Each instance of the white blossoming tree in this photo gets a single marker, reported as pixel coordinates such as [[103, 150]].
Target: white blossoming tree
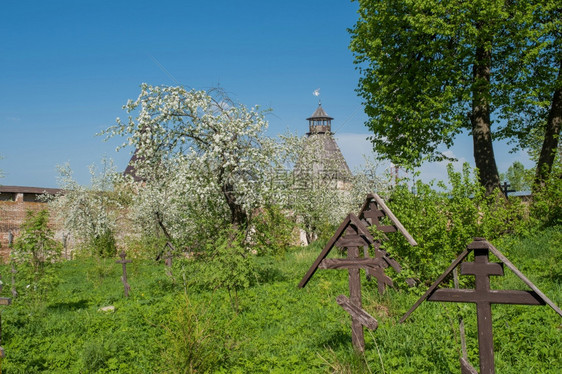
[[89, 213], [203, 160], [205, 164]]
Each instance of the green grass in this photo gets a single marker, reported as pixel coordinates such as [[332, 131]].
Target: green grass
[[166, 327]]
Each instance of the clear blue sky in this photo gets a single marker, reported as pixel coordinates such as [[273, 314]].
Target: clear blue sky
[[67, 67]]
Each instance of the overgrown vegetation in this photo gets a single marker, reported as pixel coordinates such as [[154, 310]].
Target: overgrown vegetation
[[279, 328], [444, 220], [229, 302]]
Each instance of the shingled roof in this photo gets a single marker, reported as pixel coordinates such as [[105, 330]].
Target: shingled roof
[[319, 113], [328, 156]]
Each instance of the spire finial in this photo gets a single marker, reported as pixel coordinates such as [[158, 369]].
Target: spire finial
[[316, 93]]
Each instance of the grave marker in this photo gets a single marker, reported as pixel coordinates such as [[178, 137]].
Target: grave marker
[[483, 296], [14, 271], [373, 211], [505, 188], [355, 234], [124, 276]]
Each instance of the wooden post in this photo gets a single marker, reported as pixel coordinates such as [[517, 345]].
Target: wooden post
[[352, 234], [357, 336], [461, 322], [14, 271], [168, 261], [124, 276], [483, 296], [3, 301]]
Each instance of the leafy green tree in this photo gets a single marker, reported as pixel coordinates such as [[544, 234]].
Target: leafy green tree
[[518, 176], [433, 69], [36, 245]]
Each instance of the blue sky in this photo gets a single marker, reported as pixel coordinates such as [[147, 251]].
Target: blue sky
[[67, 67]]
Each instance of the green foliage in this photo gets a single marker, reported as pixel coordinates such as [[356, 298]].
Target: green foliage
[[547, 200], [444, 222], [228, 263], [278, 329], [191, 344], [34, 251], [36, 243], [519, 178], [429, 69], [103, 245], [146, 246], [272, 231]]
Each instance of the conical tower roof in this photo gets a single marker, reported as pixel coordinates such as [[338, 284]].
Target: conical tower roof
[[319, 114], [322, 154], [131, 170]]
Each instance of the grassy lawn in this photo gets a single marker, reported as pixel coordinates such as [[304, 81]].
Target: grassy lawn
[[177, 325]]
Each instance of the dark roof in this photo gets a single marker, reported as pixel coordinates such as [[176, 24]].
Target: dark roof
[[319, 114], [34, 190], [131, 169]]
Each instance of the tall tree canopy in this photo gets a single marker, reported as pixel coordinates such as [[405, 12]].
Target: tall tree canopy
[[431, 69], [201, 146]]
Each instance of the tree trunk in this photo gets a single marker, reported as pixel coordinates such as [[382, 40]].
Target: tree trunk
[[480, 120], [551, 135], [238, 216]]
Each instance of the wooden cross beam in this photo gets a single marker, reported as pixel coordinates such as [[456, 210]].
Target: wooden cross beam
[[372, 212], [483, 296], [505, 188], [124, 276], [374, 209], [355, 235]]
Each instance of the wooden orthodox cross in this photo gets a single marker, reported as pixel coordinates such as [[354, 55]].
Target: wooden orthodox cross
[[124, 276], [351, 234], [374, 210], [505, 188], [372, 213], [483, 296]]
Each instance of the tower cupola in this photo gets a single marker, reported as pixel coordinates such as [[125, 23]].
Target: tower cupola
[[319, 122]]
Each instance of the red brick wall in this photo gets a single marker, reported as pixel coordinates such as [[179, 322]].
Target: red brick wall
[[12, 215]]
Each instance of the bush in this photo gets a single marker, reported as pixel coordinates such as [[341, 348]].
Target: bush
[[547, 200], [191, 346], [444, 222], [273, 232], [103, 245]]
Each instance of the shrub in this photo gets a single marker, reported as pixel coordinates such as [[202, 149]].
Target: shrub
[[272, 231], [191, 346], [444, 222], [227, 263], [36, 244], [547, 200], [103, 245]]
